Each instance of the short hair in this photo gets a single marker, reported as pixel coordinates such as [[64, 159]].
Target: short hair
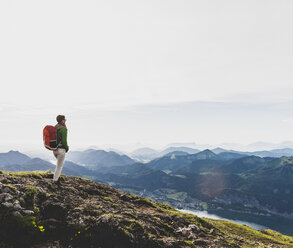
[[60, 118]]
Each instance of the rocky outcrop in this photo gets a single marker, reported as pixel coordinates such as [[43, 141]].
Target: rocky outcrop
[[77, 212]]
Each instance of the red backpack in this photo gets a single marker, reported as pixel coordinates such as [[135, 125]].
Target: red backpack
[[50, 137]]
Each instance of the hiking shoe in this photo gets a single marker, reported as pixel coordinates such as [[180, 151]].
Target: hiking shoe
[[50, 174], [61, 178], [58, 182]]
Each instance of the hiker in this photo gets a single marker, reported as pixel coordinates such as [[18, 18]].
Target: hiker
[[62, 145]]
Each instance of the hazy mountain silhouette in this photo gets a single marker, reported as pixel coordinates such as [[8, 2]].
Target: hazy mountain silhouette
[[13, 157], [144, 154], [99, 158], [226, 180]]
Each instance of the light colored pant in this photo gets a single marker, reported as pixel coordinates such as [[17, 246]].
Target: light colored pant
[[60, 155]]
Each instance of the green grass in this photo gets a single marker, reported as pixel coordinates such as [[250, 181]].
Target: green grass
[[251, 236], [278, 236], [235, 235], [30, 196], [107, 198], [36, 174], [189, 243], [179, 196], [10, 187]]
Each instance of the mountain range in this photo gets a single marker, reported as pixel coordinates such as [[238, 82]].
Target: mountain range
[[204, 180], [147, 154]]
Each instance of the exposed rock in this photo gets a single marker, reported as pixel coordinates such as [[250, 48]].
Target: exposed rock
[[28, 212], [81, 213], [16, 213], [7, 204]]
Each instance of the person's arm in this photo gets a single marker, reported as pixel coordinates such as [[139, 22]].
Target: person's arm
[[64, 139]]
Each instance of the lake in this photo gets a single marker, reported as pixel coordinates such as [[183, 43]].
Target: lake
[[258, 222]]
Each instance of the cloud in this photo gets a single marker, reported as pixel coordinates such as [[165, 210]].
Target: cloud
[[289, 121]]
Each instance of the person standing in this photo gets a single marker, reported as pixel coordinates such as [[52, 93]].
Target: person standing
[[62, 146]]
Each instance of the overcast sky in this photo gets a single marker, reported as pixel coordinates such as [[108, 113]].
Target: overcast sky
[[147, 72]]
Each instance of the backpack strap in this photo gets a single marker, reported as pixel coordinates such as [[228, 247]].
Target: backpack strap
[[57, 128]]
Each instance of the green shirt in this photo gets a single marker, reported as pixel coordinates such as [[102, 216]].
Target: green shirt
[[62, 137]]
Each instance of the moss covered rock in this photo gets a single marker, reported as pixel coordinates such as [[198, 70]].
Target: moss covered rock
[[82, 213]]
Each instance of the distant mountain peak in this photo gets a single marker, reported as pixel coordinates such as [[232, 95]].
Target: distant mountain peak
[[218, 150], [179, 149], [13, 157], [100, 158], [208, 152], [205, 154], [15, 153]]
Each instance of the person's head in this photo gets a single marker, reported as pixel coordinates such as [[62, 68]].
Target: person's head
[[61, 119]]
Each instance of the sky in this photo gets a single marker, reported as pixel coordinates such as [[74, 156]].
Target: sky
[[137, 73]]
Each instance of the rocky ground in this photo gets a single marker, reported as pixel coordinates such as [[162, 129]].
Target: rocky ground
[[77, 212]]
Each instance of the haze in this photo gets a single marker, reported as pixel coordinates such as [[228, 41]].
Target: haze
[[135, 73]]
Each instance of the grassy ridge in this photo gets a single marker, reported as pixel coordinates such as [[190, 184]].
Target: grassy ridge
[[96, 214]]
